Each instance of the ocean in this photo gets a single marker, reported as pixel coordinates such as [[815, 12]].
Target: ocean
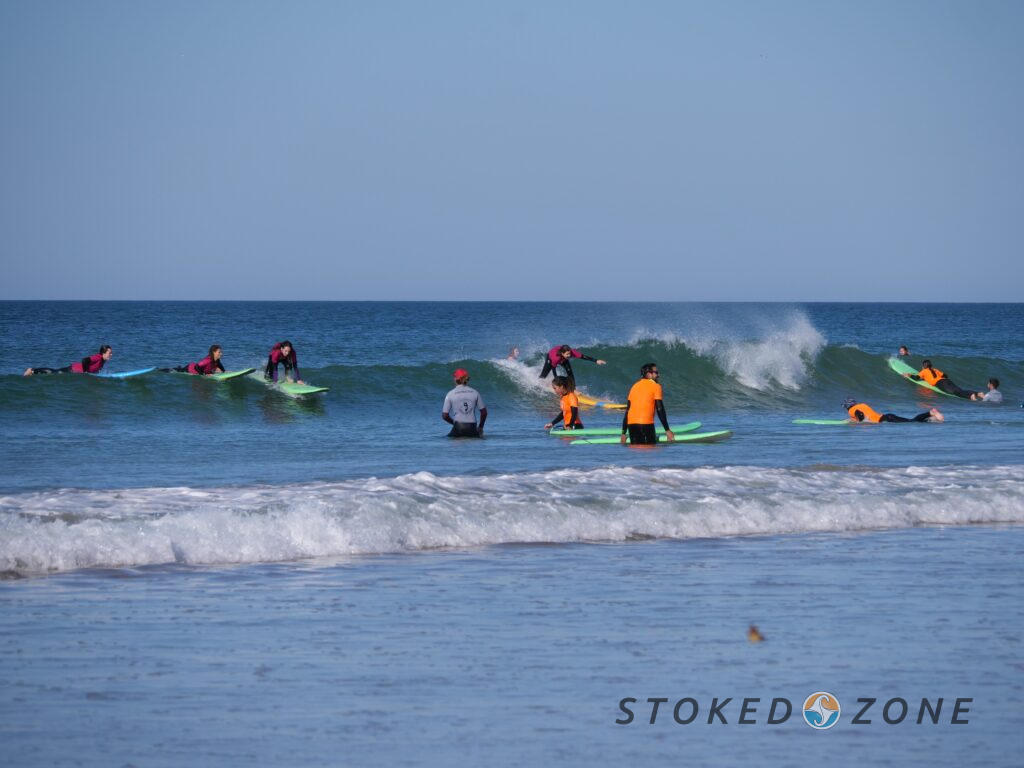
[[216, 573]]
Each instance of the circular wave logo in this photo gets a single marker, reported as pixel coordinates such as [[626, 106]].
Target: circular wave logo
[[821, 710]]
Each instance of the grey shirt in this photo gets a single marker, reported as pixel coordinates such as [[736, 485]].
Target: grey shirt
[[462, 404], [992, 396]]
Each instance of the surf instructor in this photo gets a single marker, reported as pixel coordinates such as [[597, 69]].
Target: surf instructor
[[460, 407], [645, 399]]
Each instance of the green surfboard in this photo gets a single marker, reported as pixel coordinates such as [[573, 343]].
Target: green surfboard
[[694, 437], [228, 375], [292, 389], [822, 421], [609, 431]]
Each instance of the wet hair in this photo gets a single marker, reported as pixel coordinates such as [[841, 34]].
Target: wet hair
[[564, 348], [904, 346], [565, 383], [104, 348], [213, 348], [848, 403], [926, 363], [647, 368], [286, 344], [994, 382]]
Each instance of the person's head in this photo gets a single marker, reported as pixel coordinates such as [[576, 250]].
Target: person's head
[[848, 403], [215, 352], [993, 383], [904, 350], [461, 376], [562, 385], [649, 371], [286, 348], [565, 351], [106, 351], [926, 363]]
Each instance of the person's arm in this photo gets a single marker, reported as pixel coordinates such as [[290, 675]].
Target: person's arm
[[591, 359], [659, 407], [445, 410], [556, 419], [858, 415], [483, 419], [574, 415], [625, 424], [219, 366], [87, 364]]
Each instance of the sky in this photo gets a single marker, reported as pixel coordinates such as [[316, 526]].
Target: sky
[[673, 151]]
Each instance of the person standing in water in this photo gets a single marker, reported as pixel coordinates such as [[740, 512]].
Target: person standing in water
[[558, 357], [460, 408], [645, 399], [283, 353], [570, 404], [939, 380], [864, 412], [209, 364], [992, 395], [90, 364]]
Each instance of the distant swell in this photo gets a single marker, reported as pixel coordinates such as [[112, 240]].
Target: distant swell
[[70, 529]]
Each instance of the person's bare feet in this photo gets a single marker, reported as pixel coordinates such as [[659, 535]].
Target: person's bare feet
[[936, 415], [28, 371]]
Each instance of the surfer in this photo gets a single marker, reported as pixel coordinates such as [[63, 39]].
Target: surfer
[[938, 379], [565, 388], [209, 364], [904, 352], [283, 353], [993, 395], [460, 407], [645, 399], [560, 356], [90, 364], [864, 412]]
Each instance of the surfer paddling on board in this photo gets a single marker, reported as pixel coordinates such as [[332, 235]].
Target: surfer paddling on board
[[90, 364], [938, 379], [460, 407], [283, 353], [645, 399], [559, 357], [864, 412], [209, 364], [565, 388]]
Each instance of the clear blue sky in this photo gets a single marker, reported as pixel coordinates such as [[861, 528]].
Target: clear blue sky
[[789, 151]]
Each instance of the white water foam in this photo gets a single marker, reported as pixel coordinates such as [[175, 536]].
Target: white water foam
[[71, 528]]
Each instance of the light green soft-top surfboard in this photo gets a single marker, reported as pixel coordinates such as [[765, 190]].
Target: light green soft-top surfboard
[[695, 437], [122, 374], [829, 422], [292, 389], [608, 431], [228, 375], [901, 368]]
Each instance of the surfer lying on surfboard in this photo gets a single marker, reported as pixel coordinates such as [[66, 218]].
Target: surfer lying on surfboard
[[939, 380], [565, 388], [209, 364], [283, 353], [864, 412], [90, 364]]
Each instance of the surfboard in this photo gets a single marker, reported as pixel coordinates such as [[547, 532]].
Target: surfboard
[[595, 403], [228, 375], [696, 437], [822, 421], [901, 368], [123, 374], [609, 431], [292, 389]]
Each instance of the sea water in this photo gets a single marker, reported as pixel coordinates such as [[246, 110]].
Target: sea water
[[216, 573]]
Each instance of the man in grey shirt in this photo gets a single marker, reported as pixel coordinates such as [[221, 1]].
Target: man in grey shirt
[[460, 407], [992, 396]]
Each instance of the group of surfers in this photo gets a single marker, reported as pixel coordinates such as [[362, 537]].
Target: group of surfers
[[645, 399], [281, 354]]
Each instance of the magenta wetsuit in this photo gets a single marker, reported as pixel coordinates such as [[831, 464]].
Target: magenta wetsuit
[[276, 358]]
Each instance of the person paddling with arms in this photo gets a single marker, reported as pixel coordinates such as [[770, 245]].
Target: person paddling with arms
[[645, 399]]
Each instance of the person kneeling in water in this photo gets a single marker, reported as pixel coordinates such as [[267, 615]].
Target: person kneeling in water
[[863, 412], [209, 364], [90, 364], [464, 401], [565, 388]]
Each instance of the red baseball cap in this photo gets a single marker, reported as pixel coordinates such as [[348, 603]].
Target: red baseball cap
[[460, 373]]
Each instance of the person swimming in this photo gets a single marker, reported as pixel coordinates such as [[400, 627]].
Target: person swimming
[[283, 353], [209, 364], [864, 412], [90, 364]]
